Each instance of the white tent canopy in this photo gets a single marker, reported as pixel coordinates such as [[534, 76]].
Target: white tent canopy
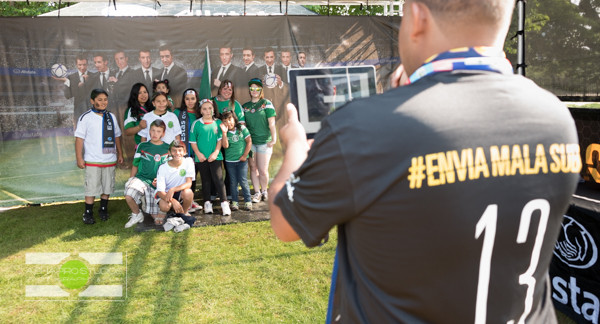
[[85, 8]]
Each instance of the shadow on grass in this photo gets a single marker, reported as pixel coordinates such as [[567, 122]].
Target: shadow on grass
[[30, 226], [135, 270], [168, 301]]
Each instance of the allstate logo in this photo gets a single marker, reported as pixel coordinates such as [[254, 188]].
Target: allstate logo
[[575, 246]]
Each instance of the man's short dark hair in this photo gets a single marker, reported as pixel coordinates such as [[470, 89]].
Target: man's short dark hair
[[176, 144], [166, 48], [81, 57], [102, 55], [248, 49], [159, 123], [98, 91], [269, 49]]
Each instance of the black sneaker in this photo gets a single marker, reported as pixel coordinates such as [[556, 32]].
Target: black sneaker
[[103, 214], [88, 219]]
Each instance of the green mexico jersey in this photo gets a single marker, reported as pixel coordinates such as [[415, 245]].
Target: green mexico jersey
[[130, 121], [225, 106], [206, 137], [148, 157], [237, 144], [257, 120]]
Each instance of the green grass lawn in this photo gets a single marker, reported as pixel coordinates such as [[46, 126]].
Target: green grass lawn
[[238, 273]]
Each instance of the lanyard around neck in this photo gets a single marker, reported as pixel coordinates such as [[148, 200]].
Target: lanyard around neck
[[466, 58]]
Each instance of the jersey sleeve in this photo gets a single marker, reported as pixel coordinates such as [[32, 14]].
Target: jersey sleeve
[[193, 133], [190, 169], [219, 132], [239, 112], [137, 155], [317, 196], [161, 182], [270, 110], [245, 132], [144, 132], [129, 121], [81, 129]]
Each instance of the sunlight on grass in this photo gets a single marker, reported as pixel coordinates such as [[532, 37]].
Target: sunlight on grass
[[238, 273]]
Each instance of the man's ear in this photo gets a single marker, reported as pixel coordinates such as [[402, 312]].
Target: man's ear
[[420, 19]]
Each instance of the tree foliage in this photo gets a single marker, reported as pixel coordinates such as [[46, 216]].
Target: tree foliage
[[24, 9], [562, 41], [338, 10]]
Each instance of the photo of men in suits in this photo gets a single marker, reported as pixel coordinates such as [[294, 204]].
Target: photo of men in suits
[[147, 73], [225, 71], [286, 64], [77, 87], [177, 76], [101, 79], [124, 78], [302, 59], [270, 68]]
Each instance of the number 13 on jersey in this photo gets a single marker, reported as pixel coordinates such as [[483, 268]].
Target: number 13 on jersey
[[486, 226]]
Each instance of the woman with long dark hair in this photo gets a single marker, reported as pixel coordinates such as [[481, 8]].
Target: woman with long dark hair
[[139, 104]]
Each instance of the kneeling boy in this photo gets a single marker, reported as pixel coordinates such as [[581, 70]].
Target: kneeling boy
[[148, 157], [174, 182]]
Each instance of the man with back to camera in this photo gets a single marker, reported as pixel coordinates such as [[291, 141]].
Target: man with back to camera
[[448, 193]]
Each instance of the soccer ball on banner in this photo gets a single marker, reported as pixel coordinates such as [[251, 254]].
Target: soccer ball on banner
[[58, 70], [270, 80]]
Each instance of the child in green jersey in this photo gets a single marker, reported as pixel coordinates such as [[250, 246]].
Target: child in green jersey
[[237, 143], [148, 157]]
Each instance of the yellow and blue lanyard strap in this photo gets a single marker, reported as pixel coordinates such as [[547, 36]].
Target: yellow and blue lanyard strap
[[466, 58]]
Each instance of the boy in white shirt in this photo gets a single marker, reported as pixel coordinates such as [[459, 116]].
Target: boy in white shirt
[[174, 182], [99, 136]]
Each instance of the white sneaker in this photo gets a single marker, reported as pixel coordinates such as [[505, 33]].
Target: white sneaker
[[265, 195], [208, 207], [168, 226], [194, 207], [134, 219], [256, 197], [225, 208], [181, 228]]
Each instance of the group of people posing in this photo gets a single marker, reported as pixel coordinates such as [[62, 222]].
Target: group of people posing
[[173, 146]]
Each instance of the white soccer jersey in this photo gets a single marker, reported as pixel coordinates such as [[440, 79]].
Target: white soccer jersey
[[169, 177], [170, 120], [89, 128]]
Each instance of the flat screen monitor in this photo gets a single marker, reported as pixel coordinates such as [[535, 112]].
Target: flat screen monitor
[[316, 92]]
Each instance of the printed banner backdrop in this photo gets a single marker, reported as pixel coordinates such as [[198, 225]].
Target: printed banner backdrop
[[575, 270], [38, 111], [587, 122]]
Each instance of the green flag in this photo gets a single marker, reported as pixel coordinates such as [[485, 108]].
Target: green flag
[[204, 91]]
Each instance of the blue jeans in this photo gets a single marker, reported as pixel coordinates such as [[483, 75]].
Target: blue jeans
[[238, 173]]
